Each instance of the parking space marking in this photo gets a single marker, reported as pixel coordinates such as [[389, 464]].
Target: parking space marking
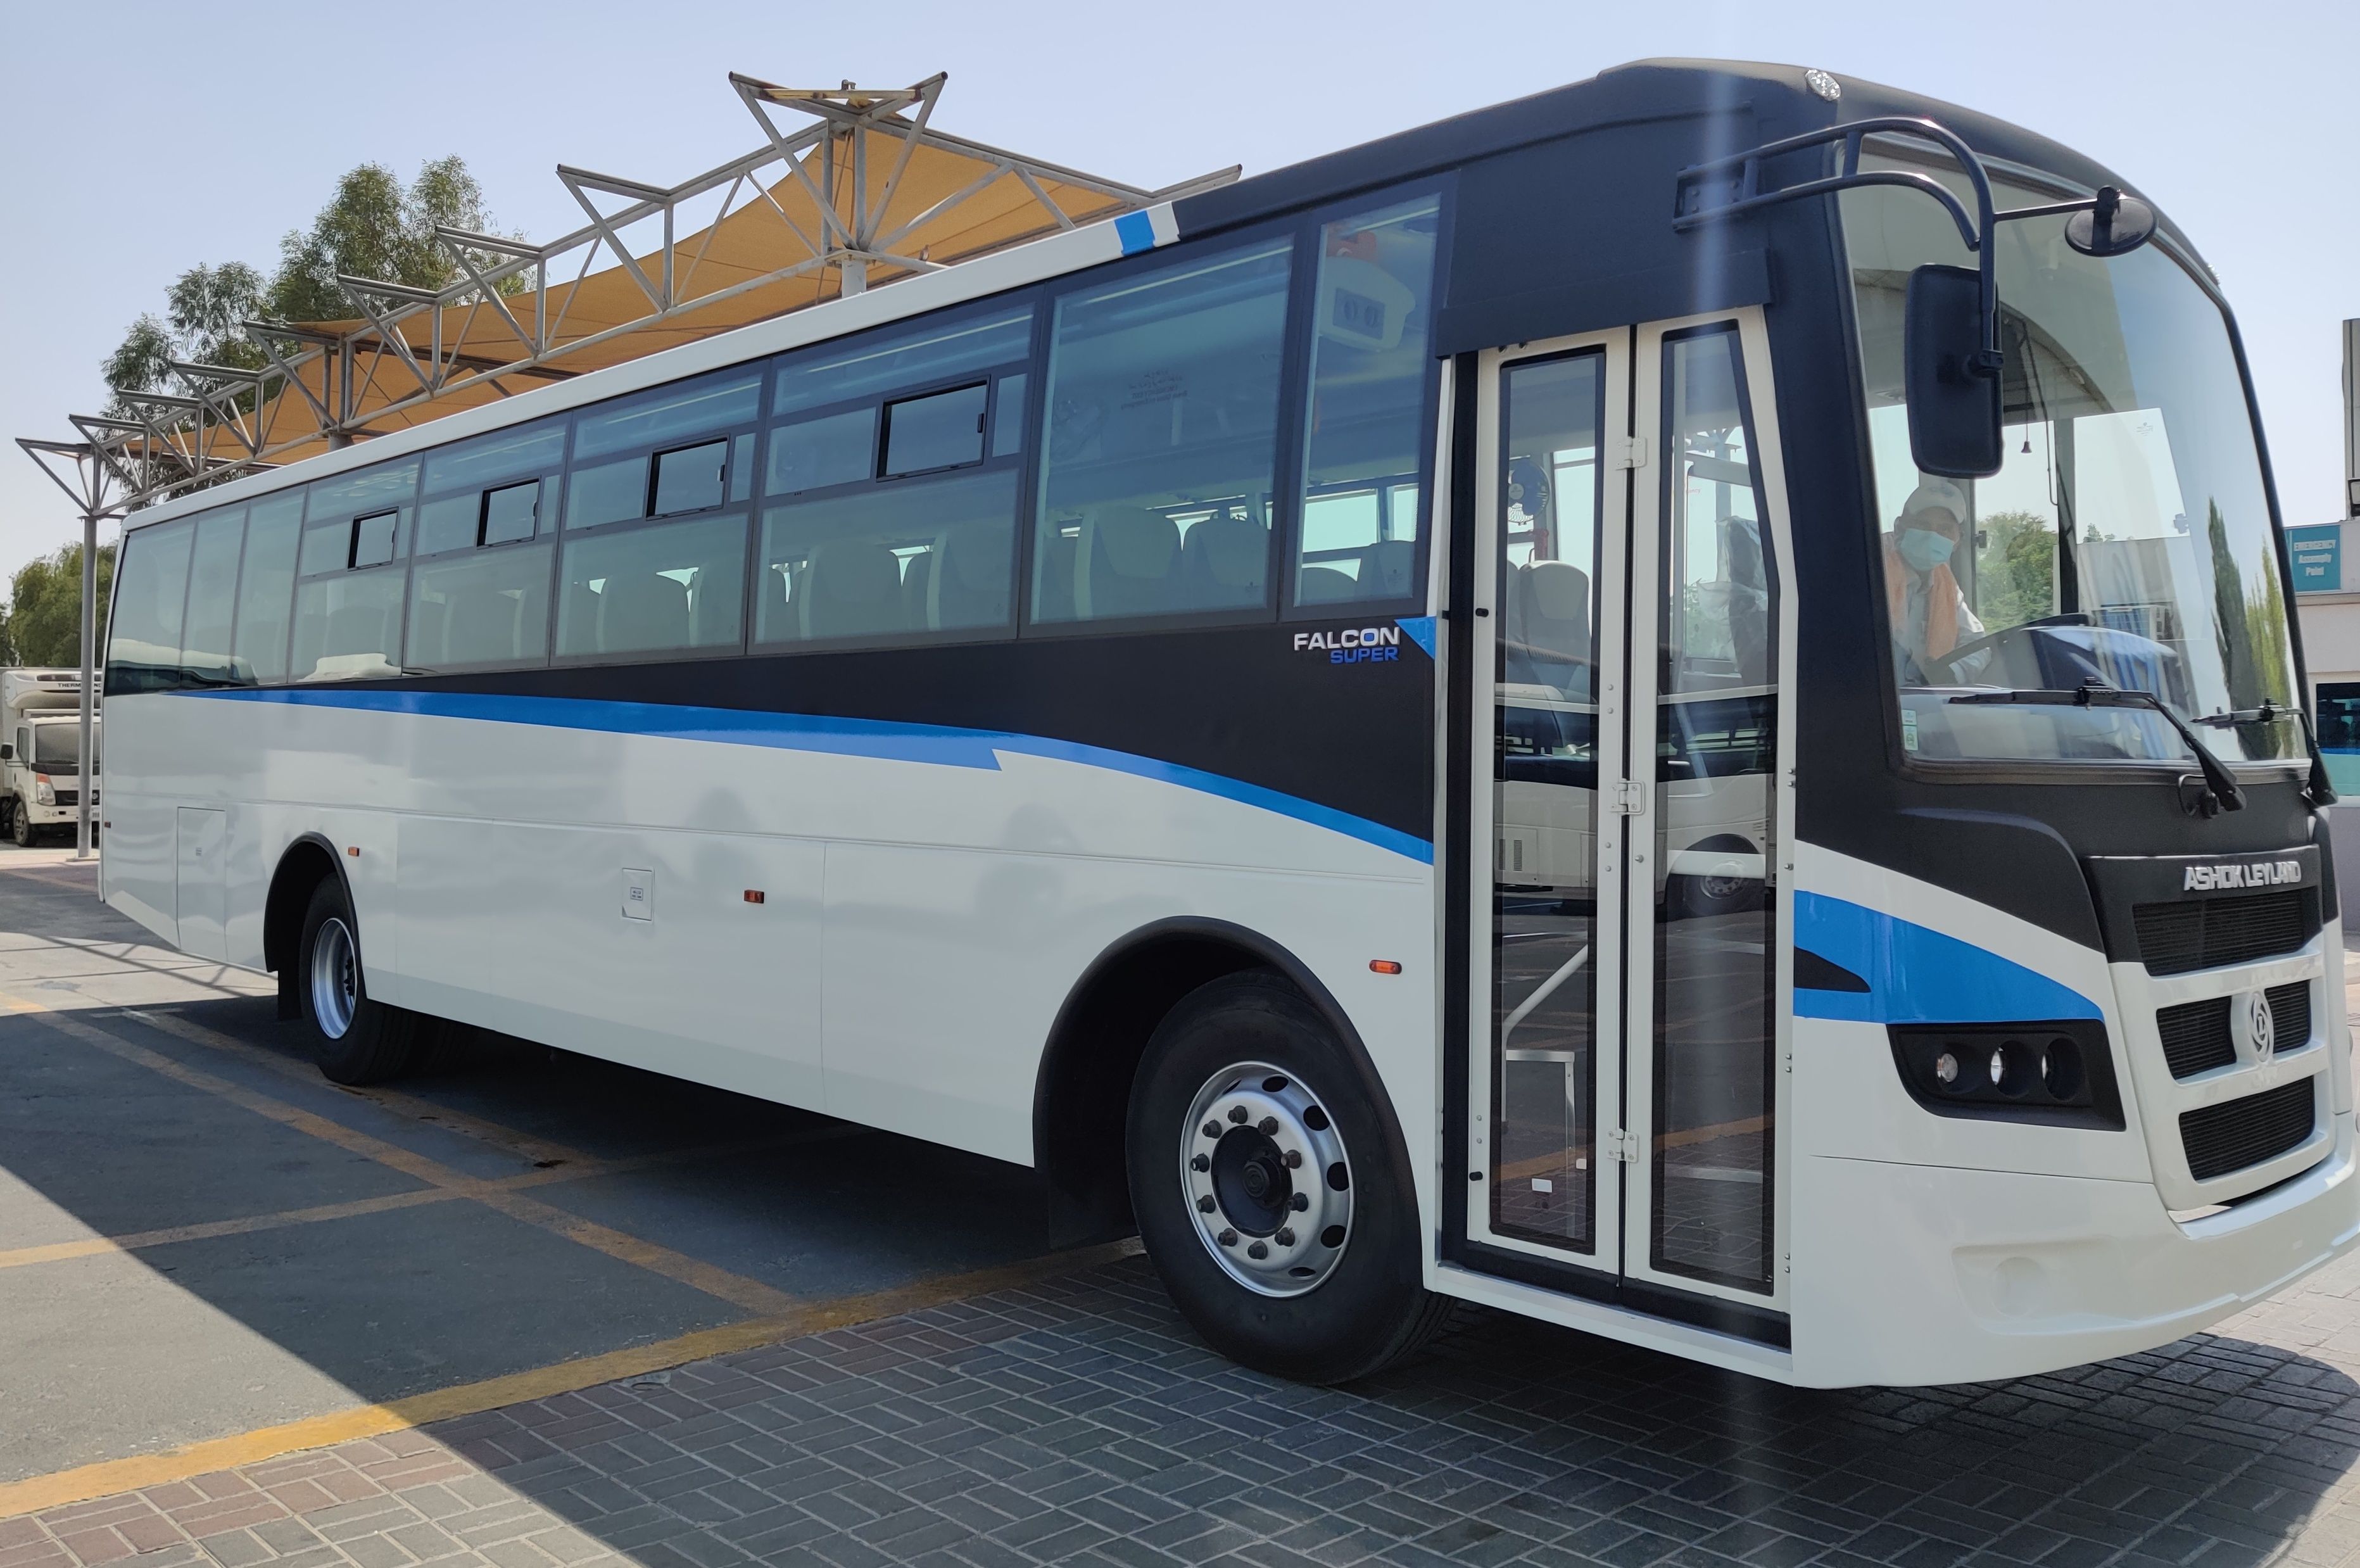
[[113, 1475], [57, 1252], [751, 1294]]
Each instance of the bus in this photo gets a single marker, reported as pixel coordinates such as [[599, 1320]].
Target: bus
[[1668, 707]]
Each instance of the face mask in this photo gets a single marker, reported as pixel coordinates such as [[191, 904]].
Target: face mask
[[1923, 548]]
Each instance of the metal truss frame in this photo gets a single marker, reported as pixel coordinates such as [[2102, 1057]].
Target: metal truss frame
[[849, 160]]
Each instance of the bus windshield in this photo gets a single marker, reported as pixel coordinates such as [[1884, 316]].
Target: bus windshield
[[2126, 538]]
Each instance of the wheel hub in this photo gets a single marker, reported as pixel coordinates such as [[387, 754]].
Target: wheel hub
[[1267, 1179], [335, 978]]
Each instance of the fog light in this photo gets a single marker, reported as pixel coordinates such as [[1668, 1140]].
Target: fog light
[[1946, 1069]]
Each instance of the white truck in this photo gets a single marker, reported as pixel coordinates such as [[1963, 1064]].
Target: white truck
[[40, 753]]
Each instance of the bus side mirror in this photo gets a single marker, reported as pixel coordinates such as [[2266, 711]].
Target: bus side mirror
[[1954, 404]]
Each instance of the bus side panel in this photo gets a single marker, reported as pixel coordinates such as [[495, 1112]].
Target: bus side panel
[[136, 862], [690, 977]]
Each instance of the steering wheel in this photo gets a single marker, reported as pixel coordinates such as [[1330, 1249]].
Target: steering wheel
[[1964, 651]]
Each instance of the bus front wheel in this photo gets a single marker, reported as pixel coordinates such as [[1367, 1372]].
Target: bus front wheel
[[1267, 1177], [359, 1039]]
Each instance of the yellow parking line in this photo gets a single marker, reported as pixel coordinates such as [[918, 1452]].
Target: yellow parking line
[[536, 1149], [737, 1290], [109, 1476]]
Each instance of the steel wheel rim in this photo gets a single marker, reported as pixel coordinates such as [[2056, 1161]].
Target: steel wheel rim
[[1265, 1180], [336, 978]]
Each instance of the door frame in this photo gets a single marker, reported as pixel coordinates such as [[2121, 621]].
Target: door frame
[[1466, 717]]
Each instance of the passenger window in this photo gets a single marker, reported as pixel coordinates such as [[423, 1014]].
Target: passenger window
[[1368, 430], [1008, 417], [212, 601], [612, 444], [347, 627], [942, 430], [488, 491], [373, 539], [835, 449], [143, 645], [938, 556], [690, 479], [511, 512], [880, 364], [265, 585], [671, 587], [1161, 440], [1719, 589], [486, 607]]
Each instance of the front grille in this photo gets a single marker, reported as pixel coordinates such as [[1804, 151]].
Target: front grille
[[2290, 1015], [2206, 932], [2196, 1037], [2241, 1133]]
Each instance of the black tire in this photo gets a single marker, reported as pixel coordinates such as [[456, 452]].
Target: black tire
[[21, 830], [374, 1041], [1371, 1307]]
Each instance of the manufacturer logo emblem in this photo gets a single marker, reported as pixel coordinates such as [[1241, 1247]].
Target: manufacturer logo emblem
[[2258, 1027]]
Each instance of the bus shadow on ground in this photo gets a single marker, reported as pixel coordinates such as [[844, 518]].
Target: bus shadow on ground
[[1085, 1419]]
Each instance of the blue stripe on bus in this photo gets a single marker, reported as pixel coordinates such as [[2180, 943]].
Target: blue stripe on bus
[[941, 745], [1916, 975], [1136, 231]]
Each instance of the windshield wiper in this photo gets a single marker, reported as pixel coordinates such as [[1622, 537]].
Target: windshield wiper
[[2221, 785], [2318, 790]]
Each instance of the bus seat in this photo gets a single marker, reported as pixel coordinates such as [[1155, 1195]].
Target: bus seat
[[356, 628], [647, 610], [1386, 569], [426, 632], [1224, 561], [970, 578], [855, 591], [917, 590], [480, 627], [1125, 563], [1325, 584], [1551, 621]]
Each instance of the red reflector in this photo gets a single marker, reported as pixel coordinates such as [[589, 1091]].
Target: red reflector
[[353, 850], [1385, 966], [753, 895]]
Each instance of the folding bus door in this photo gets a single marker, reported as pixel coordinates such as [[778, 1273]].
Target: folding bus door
[[1623, 1093]]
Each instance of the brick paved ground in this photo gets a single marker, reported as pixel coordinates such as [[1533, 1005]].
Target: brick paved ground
[[1078, 1422]]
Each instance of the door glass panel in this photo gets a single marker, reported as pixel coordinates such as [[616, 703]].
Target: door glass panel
[[1545, 794], [1716, 721]]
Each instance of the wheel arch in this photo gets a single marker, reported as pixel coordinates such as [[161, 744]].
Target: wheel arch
[[1081, 1093], [307, 861]]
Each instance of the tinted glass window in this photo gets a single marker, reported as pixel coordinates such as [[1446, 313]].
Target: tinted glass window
[[938, 556], [812, 454], [213, 600], [488, 607], [1367, 434], [331, 543], [673, 586], [348, 627], [511, 512], [1008, 418], [452, 514], [607, 492], [890, 362], [373, 539], [265, 585], [1162, 440], [690, 479], [671, 415], [143, 643], [943, 430]]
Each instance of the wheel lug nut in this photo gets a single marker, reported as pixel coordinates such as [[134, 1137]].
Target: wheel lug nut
[[1228, 1238], [1238, 1114], [1285, 1237], [1294, 1159], [1212, 1129], [1299, 1202], [1200, 1163], [1206, 1204], [1269, 1127], [1257, 1250]]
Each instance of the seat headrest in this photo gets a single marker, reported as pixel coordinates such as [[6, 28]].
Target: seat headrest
[[1134, 542], [1385, 569], [1233, 551], [1558, 590]]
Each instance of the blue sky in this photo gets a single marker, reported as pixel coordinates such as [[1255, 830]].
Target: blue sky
[[139, 138]]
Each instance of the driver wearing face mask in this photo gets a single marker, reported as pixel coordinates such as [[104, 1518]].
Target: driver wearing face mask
[[1923, 603]]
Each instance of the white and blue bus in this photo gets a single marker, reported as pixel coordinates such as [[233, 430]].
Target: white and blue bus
[[1670, 707]]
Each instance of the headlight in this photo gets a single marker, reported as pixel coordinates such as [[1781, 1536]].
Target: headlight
[[41, 790]]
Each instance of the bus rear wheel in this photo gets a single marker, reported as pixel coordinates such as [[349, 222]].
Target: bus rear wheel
[[359, 1039], [1268, 1180]]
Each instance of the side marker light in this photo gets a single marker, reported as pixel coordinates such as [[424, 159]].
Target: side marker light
[[1385, 966], [753, 895], [353, 850]]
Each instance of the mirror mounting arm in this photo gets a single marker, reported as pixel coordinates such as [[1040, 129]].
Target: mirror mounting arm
[[1731, 186]]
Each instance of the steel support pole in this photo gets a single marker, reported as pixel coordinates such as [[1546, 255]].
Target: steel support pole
[[89, 683]]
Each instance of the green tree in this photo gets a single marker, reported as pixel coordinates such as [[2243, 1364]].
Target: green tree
[[2015, 569], [42, 625], [373, 226]]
